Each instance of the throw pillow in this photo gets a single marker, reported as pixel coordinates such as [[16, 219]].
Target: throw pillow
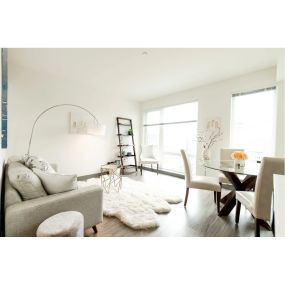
[[39, 163], [25, 181], [57, 183], [15, 158]]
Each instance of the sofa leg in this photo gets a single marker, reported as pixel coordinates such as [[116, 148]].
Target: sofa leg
[[95, 229], [157, 169], [141, 169], [215, 197]]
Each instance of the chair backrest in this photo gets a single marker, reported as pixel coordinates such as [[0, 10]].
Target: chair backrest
[[147, 151], [225, 153], [264, 186], [187, 167]]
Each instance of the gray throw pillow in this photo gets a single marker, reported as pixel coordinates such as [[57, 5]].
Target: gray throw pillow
[[25, 181], [55, 183]]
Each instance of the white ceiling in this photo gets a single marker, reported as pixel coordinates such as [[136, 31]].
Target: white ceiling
[[129, 73]]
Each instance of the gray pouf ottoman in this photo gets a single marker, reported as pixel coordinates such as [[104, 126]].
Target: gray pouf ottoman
[[65, 224]]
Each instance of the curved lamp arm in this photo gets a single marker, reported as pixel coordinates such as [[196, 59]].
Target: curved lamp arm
[[52, 107]]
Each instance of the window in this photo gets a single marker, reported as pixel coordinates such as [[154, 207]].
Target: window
[[253, 122], [172, 129]]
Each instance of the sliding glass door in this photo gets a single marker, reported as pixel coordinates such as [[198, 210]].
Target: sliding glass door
[[171, 129]]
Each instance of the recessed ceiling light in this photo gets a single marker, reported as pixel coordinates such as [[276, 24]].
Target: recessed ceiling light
[[144, 53]]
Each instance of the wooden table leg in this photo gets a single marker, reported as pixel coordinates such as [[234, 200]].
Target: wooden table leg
[[230, 199], [229, 204]]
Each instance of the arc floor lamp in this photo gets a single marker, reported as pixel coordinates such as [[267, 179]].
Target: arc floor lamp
[[98, 129]]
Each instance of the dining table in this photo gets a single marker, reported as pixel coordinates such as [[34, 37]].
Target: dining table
[[242, 178]]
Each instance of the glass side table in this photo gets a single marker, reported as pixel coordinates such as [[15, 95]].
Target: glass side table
[[111, 178]]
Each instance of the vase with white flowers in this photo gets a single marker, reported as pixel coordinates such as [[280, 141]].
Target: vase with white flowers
[[207, 139]]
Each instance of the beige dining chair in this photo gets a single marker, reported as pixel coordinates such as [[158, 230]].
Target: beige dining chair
[[225, 154], [199, 182], [258, 203]]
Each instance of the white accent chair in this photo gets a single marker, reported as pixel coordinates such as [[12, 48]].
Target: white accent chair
[[148, 157], [199, 182], [258, 203]]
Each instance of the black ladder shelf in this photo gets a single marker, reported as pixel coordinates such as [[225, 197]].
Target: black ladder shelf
[[123, 126]]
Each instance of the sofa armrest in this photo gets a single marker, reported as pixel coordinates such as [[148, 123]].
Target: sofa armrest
[[23, 219]]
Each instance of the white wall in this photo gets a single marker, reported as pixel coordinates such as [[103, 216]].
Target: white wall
[[30, 92], [215, 101]]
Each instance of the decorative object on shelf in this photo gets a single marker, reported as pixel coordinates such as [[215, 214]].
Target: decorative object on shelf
[[239, 158], [111, 178], [97, 129], [207, 138], [126, 142]]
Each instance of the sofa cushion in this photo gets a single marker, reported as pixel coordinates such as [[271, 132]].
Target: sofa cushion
[[57, 183], [25, 181], [38, 163]]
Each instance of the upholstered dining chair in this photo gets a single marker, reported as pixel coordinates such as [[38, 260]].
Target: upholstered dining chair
[[225, 154], [148, 156], [258, 203], [199, 182]]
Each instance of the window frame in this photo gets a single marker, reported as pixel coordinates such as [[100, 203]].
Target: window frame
[[271, 88], [161, 124]]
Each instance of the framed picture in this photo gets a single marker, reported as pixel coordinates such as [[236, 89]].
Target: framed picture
[[4, 97], [214, 123], [80, 123]]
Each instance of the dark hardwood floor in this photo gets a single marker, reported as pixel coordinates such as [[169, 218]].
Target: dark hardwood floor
[[198, 219]]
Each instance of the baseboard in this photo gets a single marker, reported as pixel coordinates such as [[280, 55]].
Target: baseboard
[[164, 172], [173, 174]]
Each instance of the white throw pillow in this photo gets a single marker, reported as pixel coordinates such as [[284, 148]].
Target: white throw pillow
[[25, 181], [57, 183], [38, 163]]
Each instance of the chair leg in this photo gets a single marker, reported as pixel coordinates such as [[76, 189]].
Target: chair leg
[[141, 169], [237, 211], [218, 197], [186, 196], [257, 227], [215, 197], [157, 169], [95, 229], [273, 224]]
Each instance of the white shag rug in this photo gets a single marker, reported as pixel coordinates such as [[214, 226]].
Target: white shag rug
[[137, 203]]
